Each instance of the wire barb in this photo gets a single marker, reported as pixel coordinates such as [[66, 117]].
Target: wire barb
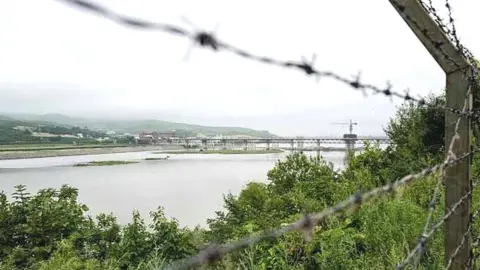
[[355, 200], [208, 40]]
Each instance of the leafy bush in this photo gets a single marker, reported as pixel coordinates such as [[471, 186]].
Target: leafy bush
[[49, 230]]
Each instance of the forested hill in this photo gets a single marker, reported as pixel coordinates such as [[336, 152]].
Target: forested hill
[[14, 131], [136, 126]]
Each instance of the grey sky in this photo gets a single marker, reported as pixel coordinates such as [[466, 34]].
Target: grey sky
[[54, 58]]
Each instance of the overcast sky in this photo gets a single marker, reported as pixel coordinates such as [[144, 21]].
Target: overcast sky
[[58, 59]]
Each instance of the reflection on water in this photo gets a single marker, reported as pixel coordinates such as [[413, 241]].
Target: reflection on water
[[190, 187]]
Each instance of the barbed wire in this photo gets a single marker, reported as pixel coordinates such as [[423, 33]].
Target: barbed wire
[[450, 33], [208, 40], [455, 39], [464, 238], [434, 228], [441, 22], [214, 252], [432, 207], [308, 222], [440, 180], [475, 245], [426, 33], [438, 19]]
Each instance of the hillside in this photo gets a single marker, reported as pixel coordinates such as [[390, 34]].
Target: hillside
[[136, 126]]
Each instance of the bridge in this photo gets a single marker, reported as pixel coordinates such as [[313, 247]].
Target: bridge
[[293, 143], [347, 138], [289, 140]]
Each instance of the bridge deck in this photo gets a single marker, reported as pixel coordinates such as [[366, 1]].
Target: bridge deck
[[287, 138]]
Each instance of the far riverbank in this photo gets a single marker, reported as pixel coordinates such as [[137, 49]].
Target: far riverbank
[[223, 152], [81, 151]]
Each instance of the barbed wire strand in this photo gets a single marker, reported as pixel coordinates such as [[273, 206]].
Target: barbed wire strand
[[474, 76], [208, 40], [434, 228], [464, 238], [475, 245], [451, 33], [215, 252], [431, 210], [454, 39], [441, 179], [439, 20], [450, 155], [462, 242]]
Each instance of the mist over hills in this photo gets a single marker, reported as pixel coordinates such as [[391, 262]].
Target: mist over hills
[[134, 126]]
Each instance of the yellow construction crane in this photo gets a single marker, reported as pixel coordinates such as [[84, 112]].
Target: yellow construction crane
[[351, 124]]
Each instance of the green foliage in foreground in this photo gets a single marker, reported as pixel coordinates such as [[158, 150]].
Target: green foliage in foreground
[[49, 230], [105, 163]]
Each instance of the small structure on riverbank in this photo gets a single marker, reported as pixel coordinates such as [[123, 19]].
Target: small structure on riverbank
[[154, 137]]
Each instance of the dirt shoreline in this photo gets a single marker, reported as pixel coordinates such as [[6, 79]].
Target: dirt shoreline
[[80, 151]]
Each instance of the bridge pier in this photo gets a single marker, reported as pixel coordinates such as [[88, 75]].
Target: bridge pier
[[318, 147], [252, 146], [224, 144], [230, 144], [187, 145], [349, 146], [300, 145]]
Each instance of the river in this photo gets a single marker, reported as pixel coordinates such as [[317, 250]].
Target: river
[[189, 187]]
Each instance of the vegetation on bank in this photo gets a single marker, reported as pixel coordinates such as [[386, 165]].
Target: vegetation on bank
[[225, 152], [157, 158], [105, 163], [16, 132], [49, 229], [47, 147]]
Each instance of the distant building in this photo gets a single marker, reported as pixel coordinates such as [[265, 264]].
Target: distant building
[[154, 137], [23, 128], [157, 135]]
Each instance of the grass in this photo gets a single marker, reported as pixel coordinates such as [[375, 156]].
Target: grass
[[226, 152], [46, 147], [104, 163], [156, 158]]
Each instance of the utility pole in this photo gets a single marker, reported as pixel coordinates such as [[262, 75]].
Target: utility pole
[[458, 176]]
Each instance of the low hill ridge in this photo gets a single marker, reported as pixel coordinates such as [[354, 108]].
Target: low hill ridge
[[137, 126]]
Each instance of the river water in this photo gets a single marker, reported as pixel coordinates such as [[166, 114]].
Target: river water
[[189, 187]]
